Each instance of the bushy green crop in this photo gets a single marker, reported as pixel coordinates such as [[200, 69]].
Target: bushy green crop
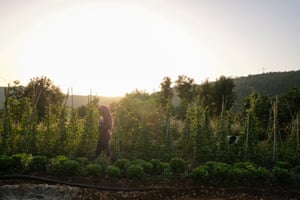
[[38, 163], [122, 164], [113, 171], [135, 171], [177, 165], [280, 174], [200, 174], [6, 164], [94, 170]]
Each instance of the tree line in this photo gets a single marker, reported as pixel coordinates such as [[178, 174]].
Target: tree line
[[184, 119]]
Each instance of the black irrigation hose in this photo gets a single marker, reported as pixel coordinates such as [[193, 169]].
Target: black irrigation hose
[[101, 188]]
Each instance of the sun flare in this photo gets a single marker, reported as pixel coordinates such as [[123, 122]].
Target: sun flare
[[98, 45]]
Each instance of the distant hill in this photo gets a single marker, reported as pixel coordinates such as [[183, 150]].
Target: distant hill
[[268, 84], [79, 100]]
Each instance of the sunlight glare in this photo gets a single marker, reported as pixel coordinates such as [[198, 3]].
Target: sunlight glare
[[110, 49]]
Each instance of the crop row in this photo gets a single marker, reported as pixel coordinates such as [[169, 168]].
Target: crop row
[[210, 172]]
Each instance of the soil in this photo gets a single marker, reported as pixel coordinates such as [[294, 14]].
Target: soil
[[147, 189]]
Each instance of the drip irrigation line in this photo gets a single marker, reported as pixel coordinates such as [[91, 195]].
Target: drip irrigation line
[[101, 188]]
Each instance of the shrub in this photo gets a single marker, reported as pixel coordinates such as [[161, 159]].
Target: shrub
[[135, 171], [6, 164], [156, 167], [262, 174], [122, 164], [139, 162], [113, 171], [93, 170], [55, 165], [38, 163], [147, 167], [218, 171], [103, 160], [283, 164], [297, 169], [70, 167], [281, 174], [82, 161], [200, 174], [21, 161], [177, 165], [166, 169]]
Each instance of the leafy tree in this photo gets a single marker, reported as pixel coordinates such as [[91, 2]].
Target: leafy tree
[[42, 92], [166, 103], [205, 96], [138, 128], [223, 94], [185, 89]]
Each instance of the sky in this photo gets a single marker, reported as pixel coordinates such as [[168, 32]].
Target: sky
[[110, 48]]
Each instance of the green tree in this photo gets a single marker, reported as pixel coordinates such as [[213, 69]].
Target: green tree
[[167, 106], [185, 89], [223, 94], [42, 92]]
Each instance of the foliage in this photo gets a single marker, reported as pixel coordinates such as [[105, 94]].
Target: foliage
[[177, 165], [218, 171], [281, 175], [122, 164], [113, 171], [223, 95], [135, 171], [38, 163], [6, 164], [154, 126], [21, 161], [93, 170], [283, 164], [200, 174], [55, 164]]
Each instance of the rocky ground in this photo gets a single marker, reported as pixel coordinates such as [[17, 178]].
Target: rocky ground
[[175, 189]]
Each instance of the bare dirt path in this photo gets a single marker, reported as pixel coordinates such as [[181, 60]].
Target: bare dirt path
[[174, 189]]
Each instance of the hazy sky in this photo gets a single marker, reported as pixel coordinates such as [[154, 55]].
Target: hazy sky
[[114, 47]]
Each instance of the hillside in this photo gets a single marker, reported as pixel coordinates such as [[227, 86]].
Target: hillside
[[79, 100], [268, 84]]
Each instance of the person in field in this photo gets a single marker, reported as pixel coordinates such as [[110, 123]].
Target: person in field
[[104, 131]]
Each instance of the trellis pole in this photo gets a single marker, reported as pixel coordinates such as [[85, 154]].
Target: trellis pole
[[275, 113]]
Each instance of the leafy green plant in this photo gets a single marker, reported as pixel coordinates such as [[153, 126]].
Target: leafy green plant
[[55, 165], [135, 171], [70, 167], [113, 171], [6, 164], [166, 170], [262, 174], [94, 170], [122, 164], [38, 163], [21, 161], [283, 164], [103, 160], [218, 171], [82, 160], [281, 174], [177, 165], [156, 166], [200, 174], [147, 167]]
